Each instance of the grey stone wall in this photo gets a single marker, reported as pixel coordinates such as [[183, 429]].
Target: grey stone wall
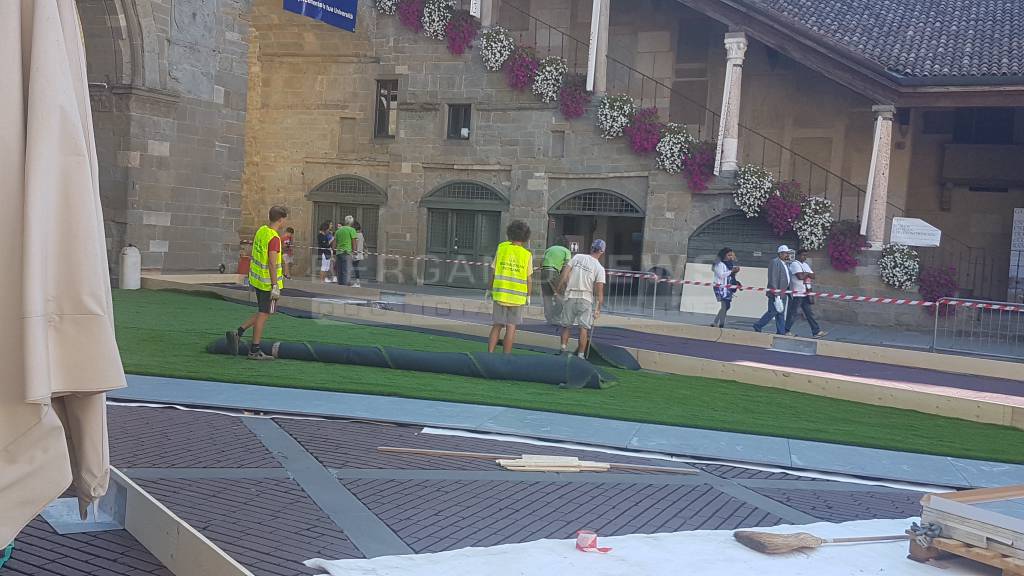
[[311, 117], [168, 83]]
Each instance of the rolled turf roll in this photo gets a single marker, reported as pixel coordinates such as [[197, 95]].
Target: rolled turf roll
[[567, 371]]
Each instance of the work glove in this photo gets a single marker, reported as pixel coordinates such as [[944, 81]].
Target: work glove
[[275, 293]]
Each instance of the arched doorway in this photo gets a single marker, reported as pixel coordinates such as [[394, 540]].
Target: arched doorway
[[589, 214], [754, 243], [463, 225], [341, 196], [752, 239]]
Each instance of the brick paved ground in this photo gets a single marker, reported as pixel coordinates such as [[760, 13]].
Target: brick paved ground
[[261, 523], [853, 506], [335, 493], [432, 516], [39, 551]]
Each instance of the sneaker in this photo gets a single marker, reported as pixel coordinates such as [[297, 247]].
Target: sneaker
[[757, 328], [355, 284], [232, 339], [821, 334], [259, 355], [581, 356], [788, 333], [563, 350]]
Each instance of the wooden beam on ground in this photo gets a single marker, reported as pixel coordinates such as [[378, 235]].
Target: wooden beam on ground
[[540, 459]]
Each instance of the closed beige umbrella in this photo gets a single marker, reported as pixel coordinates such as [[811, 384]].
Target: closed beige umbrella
[[57, 346]]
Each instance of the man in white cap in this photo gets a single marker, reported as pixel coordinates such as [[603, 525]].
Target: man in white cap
[[779, 279], [582, 283]]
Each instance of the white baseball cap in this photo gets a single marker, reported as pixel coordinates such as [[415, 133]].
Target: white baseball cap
[[783, 248]]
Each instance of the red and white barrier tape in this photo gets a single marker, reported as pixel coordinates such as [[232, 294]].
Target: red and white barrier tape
[[826, 295]]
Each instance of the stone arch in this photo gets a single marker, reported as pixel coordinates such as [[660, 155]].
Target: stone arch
[[751, 238], [597, 202], [122, 42], [348, 189], [467, 195]]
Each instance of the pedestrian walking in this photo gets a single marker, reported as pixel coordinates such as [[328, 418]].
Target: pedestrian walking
[[343, 240], [555, 258], [510, 285], [725, 269], [582, 282], [358, 254], [801, 301], [266, 276], [288, 240], [323, 244], [778, 284]]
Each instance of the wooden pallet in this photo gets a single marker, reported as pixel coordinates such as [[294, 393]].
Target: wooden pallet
[[946, 547]]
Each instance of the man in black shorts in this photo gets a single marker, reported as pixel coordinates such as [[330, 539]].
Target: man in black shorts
[[266, 276]]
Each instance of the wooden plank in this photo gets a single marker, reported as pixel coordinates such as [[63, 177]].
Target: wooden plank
[[178, 546], [961, 504], [496, 457], [989, 557], [980, 530]]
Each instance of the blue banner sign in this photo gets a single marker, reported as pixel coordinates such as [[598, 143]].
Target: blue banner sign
[[338, 13]]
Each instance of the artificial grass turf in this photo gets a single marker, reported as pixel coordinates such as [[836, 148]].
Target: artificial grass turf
[[166, 334]]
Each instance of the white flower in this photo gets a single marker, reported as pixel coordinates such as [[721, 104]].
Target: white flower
[[496, 45], [387, 7], [675, 142], [614, 114], [814, 223], [548, 81], [754, 185], [436, 14], [899, 266]]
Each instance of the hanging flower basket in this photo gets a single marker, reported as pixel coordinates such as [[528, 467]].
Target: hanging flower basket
[[936, 283], [644, 131], [496, 45], [436, 15], [521, 68], [699, 165], [844, 244], [754, 186], [547, 82], [461, 31], [781, 214], [386, 7], [899, 266], [573, 97], [614, 114], [410, 14], [675, 142], [814, 223]]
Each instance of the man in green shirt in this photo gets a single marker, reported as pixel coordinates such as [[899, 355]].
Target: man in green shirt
[[345, 243], [555, 258]]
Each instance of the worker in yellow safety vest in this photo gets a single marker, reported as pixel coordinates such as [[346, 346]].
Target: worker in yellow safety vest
[[266, 276], [510, 284]]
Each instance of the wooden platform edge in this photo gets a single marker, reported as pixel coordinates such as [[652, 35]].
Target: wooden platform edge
[[946, 547]]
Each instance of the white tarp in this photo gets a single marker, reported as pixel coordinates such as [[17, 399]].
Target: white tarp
[[700, 553]]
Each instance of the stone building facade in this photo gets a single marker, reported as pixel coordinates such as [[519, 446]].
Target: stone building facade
[[810, 115], [168, 81]]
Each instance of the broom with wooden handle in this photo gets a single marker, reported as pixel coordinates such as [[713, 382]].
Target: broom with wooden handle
[[770, 543]]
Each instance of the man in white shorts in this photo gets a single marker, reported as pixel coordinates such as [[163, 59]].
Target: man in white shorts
[[582, 283]]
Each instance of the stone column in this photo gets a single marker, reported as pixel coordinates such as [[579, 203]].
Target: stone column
[[873, 218], [599, 45], [488, 14], [728, 130]]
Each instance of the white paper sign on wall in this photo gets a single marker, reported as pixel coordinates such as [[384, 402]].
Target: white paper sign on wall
[[474, 8], [914, 232], [1017, 239]]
